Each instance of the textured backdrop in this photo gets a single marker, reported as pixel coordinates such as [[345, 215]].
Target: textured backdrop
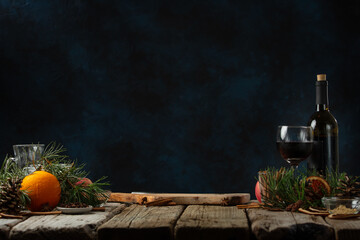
[[175, 96]]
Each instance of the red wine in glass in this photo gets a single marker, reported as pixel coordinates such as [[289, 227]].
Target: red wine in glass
[[294, 143], [294, 152]]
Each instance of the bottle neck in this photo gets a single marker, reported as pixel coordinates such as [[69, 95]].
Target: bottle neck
[[322, 100], [322, 107]]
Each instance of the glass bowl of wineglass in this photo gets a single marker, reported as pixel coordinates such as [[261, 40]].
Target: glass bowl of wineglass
[[294, 143]]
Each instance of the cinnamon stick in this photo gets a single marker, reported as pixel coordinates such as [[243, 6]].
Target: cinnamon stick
[[10, 216], [313, 213], [41, 213], [99, 209], [343, 216], [245, 206], [317, 210], [249, 205]]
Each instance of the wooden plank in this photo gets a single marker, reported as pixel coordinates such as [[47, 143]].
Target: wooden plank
[[6, 225], [183, 198], [212, 222], [312, 227], [82, 226], [345, 229], [140, 222], [272, 225]]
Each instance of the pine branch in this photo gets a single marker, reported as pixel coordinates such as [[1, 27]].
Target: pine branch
[[284, 188], [10, 170], [67, 171], [54, 152]]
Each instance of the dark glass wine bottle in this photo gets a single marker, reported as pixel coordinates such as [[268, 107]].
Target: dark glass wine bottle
[[325, 154]]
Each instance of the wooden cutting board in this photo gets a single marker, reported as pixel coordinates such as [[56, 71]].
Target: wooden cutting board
[[183, 198]]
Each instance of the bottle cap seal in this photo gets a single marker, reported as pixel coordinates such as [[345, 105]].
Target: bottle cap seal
[[321, 77]]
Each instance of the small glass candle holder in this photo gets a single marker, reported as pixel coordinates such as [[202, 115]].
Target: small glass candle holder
[[27, 156]]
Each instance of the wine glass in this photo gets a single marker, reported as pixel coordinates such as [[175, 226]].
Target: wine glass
[[294, 143]]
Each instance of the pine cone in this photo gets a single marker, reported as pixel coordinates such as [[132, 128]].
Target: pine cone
[[348, 187], [310, 194], [294, 206], [10, 201]]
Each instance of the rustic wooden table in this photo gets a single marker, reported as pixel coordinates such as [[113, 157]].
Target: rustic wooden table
[[123, 221]]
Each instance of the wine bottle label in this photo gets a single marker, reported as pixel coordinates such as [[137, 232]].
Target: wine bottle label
[[324, 154], [316, 159]]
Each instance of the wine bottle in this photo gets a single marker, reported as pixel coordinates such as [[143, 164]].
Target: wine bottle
[[325, 154]]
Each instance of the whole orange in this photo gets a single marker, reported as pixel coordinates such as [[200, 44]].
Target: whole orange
[[43, 189]]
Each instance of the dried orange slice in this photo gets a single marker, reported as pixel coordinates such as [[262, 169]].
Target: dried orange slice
[[318, 184]]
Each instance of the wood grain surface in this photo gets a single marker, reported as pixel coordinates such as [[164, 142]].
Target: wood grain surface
[[184, 198], [140, 222], [212, 222], [313, 227], [272, 225], [6, 225], [124, 221], [347, 229], [58, 227]]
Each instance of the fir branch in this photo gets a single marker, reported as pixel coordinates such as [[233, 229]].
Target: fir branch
[[9, 169], [24, 198], [67, 171], [284, 188], [333, 178], [54, 152], [68, 174]]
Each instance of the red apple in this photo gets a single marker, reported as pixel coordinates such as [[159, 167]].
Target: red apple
[[84, 182], [257, 191]]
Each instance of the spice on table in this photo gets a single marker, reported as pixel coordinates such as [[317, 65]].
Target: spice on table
[[294, 206], [320, 210], [10, 216], [341, 209], [313, 213], [99, 209], [40, 213], [249, 205]]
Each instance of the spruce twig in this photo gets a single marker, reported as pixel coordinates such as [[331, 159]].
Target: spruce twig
[[67, 171], [283, 188]]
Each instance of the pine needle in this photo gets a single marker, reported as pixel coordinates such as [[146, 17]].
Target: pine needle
[[67, 171], [284, 187]]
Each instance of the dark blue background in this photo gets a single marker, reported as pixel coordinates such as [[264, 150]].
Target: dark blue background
[[178, 96]]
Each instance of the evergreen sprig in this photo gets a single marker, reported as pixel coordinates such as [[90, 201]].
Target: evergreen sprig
[[54, 152], [68, 172], [92, 194], [285, 186], [9, 169], [69, 175]]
